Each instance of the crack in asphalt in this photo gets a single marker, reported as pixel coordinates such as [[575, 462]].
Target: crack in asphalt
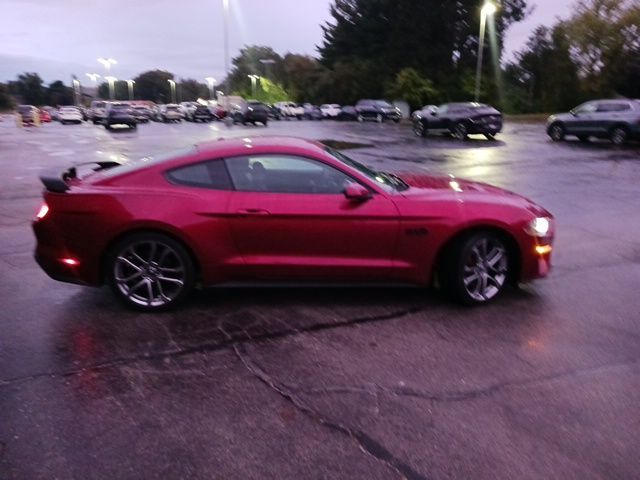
[[462, 395], [366, 443], [209, 347]]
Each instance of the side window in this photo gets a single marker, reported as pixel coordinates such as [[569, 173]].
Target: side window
[[211, 175], [285, 174], [587, 108]]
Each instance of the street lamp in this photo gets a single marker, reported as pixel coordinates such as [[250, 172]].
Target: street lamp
[[253, 78], [130, 85], [211, 82], [487, 9], [111, 89], [106, 63], [94, 77], [173, 90]]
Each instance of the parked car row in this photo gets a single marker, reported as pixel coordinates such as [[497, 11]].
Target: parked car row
[[617, 120]]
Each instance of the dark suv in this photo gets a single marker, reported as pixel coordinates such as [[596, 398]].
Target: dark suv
[[378, 110], [119, 114], [202, 113], [459, 120], [250, 112], [617, 120]]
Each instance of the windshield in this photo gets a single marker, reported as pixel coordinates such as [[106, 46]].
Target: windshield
[[23, 109], [382, 103], [388, 181]]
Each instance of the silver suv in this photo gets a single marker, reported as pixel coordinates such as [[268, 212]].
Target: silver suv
[[617, 120]]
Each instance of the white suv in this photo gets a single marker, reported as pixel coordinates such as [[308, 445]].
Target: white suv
[[330, 110]]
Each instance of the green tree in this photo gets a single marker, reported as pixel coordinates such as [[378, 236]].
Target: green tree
[[604, 35], [409, 86], [153, 85], [248, 62], [190, 90], [438, 39], [30, 88], [59, 94], [6, 102]]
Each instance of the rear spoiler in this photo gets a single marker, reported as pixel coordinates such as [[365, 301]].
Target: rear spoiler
[[58, 184]]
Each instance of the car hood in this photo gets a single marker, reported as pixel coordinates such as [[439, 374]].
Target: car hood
[[427, 187]]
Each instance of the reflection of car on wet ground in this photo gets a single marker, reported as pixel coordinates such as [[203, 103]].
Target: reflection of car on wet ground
[[460, 120], [377, 110], [69, 115], [28, 115], [282, 209], [617, 120], [119, 114]]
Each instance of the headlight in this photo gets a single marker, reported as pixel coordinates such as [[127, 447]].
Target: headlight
[[539, 227]]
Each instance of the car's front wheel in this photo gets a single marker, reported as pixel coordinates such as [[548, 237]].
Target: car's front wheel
[[150, 271], [419, 129], [460, 131], [556, 132], [475, 269]]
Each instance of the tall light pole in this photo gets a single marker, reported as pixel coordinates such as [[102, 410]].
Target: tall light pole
[[173, 90], [225, 7], [254, 79], [76, 90], [111, 80], [130, 85], [487, 9], [211, 82]]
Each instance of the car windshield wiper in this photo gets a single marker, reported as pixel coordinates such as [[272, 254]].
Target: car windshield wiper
[[395, 180]]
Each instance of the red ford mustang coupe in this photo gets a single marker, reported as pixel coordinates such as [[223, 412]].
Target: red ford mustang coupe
[[282, 209]]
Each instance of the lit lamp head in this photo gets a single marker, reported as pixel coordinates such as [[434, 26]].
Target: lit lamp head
[[489, 8]]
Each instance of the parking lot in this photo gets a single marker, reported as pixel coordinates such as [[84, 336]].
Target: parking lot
[[332, 382]]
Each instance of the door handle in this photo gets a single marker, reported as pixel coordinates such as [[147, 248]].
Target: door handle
[[253, 212]]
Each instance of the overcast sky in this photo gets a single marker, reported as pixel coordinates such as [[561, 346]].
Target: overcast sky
[[58, 38]]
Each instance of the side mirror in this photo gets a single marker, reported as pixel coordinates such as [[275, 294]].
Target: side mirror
[[356, 192]]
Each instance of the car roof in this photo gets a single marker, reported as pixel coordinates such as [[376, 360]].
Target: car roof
[[260, 144]]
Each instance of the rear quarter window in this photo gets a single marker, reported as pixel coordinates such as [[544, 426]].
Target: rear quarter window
[[212, 175]]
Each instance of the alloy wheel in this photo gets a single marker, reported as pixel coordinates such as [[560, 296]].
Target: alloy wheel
[[618, 136], [485, 269], [149, 273]]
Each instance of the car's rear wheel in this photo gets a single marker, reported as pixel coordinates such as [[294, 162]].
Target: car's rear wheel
[[583, 138], [379, 118], [419, 129], [490, 136], [150, 271], [460, 131], [475, 269], [360, 118], [556, 132], [618, 135]]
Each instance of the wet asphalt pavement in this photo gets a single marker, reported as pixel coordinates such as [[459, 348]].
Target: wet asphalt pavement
[[332, 383]]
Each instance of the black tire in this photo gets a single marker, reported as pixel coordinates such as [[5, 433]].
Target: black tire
[[95, 122], [460, 131], [466, 273], [618, 135], [583, 138], [150, 272], [419, 129], [379, 118], [490, 136], [556, 132], [360, 118], [107, 126]]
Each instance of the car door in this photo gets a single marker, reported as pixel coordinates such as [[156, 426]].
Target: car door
[[582, 121], [290, 220], [607, 114]]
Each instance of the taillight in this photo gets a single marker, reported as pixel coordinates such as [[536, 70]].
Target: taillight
[[44, 209]]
